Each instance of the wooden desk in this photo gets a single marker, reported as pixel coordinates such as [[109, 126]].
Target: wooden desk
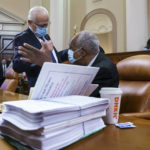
[[9, 96], [111, 138]]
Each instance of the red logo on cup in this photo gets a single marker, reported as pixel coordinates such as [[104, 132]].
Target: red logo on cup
[[116, 103]]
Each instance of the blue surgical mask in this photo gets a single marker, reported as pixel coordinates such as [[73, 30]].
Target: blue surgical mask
[[71, 56], [41, 31]]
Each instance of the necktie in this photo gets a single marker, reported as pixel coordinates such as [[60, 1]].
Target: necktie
[[42, 38], [51, 54]]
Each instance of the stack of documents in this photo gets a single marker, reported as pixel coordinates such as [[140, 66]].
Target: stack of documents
[[53, 123], [54, 118]]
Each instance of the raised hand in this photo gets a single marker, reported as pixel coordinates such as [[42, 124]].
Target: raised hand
[[34, 55]]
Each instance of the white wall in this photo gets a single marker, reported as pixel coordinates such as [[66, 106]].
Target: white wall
[[77, 13], [117, 8], [35, 3], [137, 25], [19, 8]]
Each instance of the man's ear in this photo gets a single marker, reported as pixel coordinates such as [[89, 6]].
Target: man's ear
[[29, 22], [82, 52], [79, 53]]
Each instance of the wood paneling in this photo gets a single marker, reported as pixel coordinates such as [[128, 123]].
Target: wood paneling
[[116, 57]]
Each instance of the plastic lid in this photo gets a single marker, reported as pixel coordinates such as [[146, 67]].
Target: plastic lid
[[110, 90]]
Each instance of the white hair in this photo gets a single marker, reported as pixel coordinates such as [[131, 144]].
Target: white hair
[[88, 41], [34, 10]]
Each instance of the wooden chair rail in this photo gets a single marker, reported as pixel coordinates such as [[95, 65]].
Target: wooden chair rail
[[116, 57]]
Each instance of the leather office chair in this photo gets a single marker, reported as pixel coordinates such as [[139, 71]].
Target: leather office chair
[[134, 74], [11, 80]]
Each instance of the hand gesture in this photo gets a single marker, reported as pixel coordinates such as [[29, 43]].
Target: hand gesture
[[35, 55]]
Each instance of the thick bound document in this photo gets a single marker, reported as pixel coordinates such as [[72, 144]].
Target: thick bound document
[[55, 123]]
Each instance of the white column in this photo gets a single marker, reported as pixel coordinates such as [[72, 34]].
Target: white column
[[137, 24], [35, 3], [59, 28]]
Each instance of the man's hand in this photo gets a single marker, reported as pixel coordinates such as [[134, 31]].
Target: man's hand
[[34, 55]]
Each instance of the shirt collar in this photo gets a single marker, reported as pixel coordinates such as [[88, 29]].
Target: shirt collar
[[31, 29], [92, 61]]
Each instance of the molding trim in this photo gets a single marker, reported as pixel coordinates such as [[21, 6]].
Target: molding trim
[[95, 1], [16, 19], [114, 24]]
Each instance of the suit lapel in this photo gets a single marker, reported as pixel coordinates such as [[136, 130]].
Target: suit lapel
[[98, 59], [35, 42]]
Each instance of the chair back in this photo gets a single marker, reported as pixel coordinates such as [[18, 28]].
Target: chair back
[[134, 74], [11, 80]]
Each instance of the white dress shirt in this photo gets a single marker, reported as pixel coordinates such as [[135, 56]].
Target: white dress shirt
[[4, 69]]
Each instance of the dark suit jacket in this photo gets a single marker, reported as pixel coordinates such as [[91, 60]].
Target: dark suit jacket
[[107, 76], [32, 71], [2, 77]]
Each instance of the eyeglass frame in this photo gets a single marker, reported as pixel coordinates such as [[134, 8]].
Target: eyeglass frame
[[79, 49], [42, 25]]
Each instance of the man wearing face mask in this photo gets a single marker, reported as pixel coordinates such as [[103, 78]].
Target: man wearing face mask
[[35, 35], [84, 50]]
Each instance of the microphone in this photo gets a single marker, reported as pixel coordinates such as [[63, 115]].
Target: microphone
[[1, 51], [47, 37], [7, 46]]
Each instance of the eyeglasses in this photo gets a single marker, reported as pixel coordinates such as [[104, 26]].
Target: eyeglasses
[[77, 49], [42, 25]]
